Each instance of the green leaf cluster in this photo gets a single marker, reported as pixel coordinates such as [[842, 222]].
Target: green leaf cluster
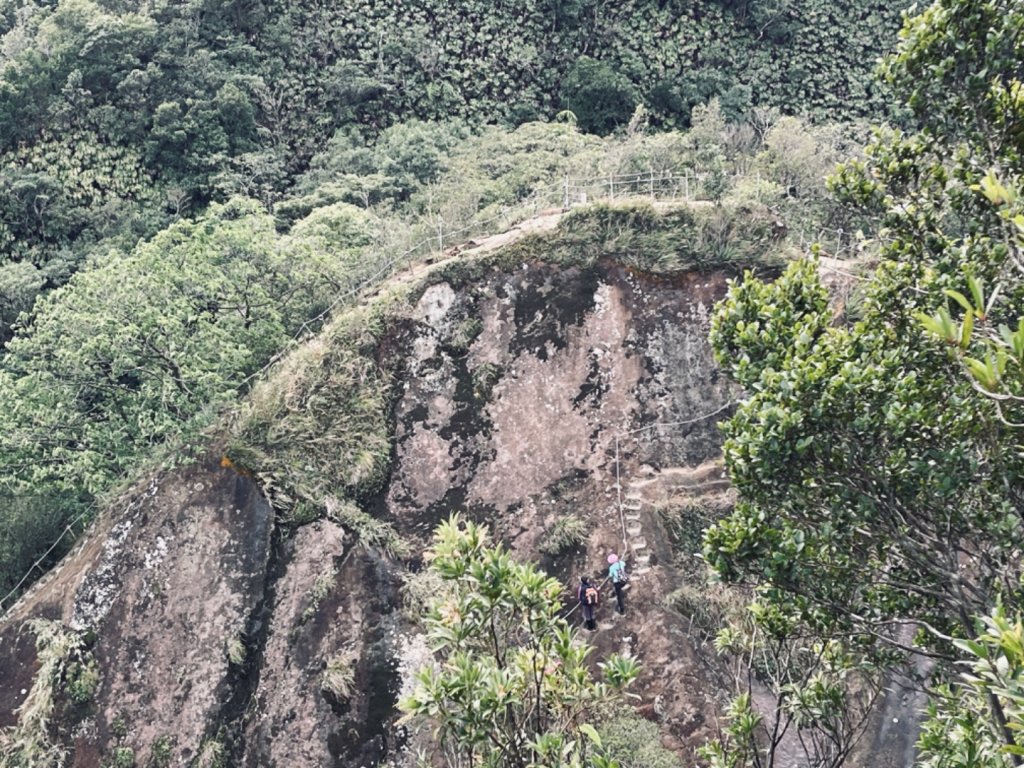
[[512, 685], [962, 727], [876, 457], [137, 346], [146, 346]]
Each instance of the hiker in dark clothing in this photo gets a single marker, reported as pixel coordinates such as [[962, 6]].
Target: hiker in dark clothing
[[619, 579], [588, 596]]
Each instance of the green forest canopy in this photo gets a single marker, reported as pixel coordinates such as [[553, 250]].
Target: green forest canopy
[[879, 459], [118, 117]]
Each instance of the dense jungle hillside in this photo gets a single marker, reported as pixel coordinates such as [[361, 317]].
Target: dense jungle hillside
[[117, 118], [340, 339]]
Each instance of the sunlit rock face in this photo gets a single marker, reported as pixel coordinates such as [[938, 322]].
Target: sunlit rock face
[[524, 396]]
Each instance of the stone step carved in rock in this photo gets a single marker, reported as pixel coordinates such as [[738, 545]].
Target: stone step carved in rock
[[707, 475]]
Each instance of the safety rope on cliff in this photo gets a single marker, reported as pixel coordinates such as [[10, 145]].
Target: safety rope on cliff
[[618, 492], [694, 420], [42, 558]]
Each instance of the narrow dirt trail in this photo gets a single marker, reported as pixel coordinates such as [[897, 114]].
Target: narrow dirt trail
[[543, 221]]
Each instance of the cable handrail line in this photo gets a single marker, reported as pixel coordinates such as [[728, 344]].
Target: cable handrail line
[[67, 529]]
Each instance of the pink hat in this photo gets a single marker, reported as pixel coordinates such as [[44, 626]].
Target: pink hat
[[613, 558]]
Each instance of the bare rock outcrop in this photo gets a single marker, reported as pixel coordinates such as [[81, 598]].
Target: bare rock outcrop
[[525, 395], [165, 588]]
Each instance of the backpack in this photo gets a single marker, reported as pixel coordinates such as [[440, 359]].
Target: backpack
[[590, 596]]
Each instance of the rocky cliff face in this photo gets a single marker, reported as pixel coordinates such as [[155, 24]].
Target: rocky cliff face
[[525, 396]]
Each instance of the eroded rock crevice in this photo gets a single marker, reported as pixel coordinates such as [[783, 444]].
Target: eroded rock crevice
[[247, 657]]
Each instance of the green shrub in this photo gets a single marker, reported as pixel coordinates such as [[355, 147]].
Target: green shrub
[[601, 98], [81, 680], [123, 757], [485, 376], [212, 754], [671, 241], [339, 675], [119, 726], [322, 586], [161, 752], [708, 607], [465, 333], [686, 522], [420, 589], [635, 743], [371, 531], [567, 532]]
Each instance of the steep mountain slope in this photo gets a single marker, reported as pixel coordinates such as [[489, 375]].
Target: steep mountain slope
[[523, 389], [211, 627]]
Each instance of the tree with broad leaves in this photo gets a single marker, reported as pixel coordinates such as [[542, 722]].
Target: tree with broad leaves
[[879, 472], [512, 687]]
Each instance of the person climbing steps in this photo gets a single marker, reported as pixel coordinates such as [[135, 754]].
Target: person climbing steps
[[588, 597], [619, 578]]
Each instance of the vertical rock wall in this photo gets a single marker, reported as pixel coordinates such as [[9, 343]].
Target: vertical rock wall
[[525, 396]]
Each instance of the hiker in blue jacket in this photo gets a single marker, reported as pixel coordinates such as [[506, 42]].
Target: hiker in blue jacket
[[617, 576]]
